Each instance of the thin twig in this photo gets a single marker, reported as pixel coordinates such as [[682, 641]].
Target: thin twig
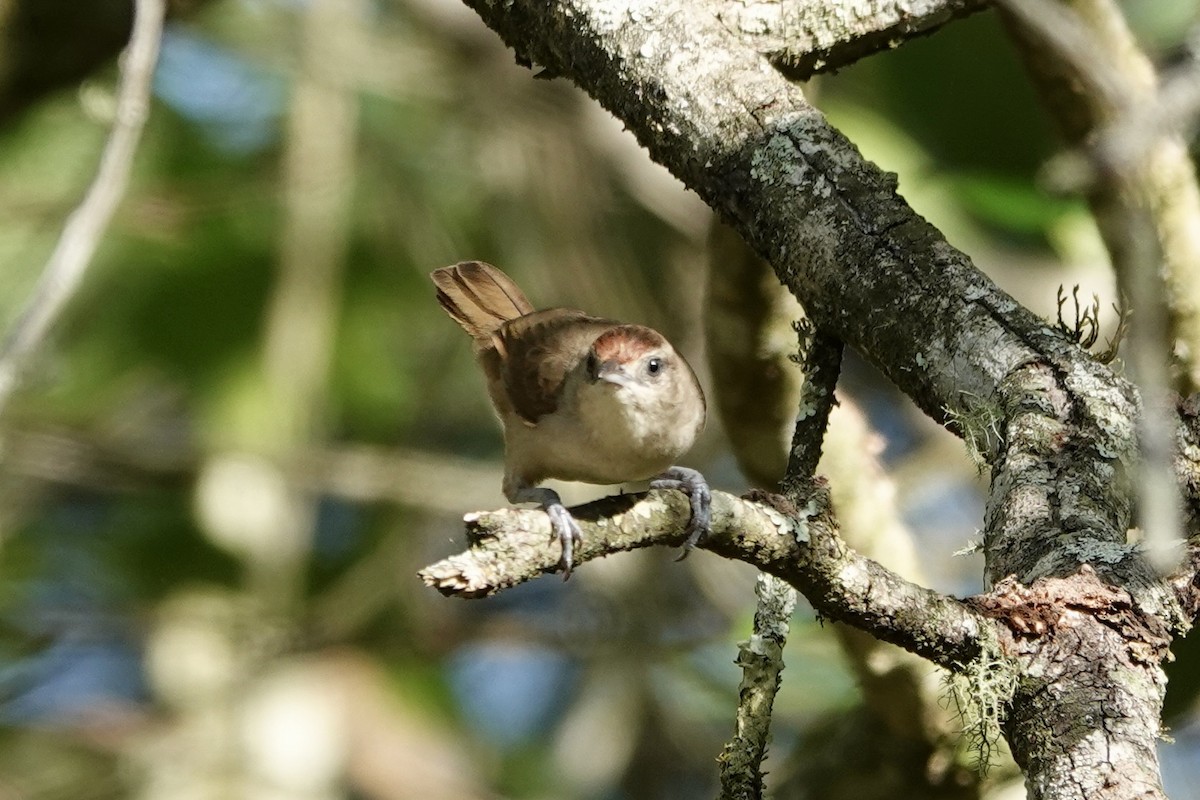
[[81, 235], [761, 660], [822, 366], [761, 657]]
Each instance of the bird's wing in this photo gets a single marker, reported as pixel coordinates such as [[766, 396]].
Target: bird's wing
[[536, 353]]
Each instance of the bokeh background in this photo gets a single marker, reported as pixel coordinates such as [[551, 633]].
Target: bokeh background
[[255, 425]]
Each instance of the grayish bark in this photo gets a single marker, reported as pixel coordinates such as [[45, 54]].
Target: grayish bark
[[799, 545], [761, 660]]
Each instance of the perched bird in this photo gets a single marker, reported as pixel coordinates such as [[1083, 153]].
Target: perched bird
[[581, 398]]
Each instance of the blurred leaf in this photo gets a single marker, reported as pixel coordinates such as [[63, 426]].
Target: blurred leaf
[[1011, 206]]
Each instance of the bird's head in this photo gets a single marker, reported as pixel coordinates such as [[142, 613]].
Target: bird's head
[[631, 356]]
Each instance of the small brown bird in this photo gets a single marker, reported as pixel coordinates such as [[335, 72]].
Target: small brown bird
[[581, 398]]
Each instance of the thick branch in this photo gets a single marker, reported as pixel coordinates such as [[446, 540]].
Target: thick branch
[[801, 546]]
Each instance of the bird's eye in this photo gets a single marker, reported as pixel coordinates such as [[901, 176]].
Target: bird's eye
[[654, 366]]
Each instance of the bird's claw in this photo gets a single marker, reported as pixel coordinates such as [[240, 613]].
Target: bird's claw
[[691, 483], [566, 530]]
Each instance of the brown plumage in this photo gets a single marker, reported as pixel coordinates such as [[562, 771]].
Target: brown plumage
[[581, 398], [526, 352], [479, 297]]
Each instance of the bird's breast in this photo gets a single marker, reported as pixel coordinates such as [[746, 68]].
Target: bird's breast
[[629, 436], [603, 433]]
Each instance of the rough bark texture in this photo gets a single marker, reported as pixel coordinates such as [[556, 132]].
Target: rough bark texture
[[799, 545], [761, 660], [1057, 428], [1077, 724], [773, 415]]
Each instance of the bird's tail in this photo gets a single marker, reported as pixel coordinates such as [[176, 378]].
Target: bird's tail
[[479, 297]]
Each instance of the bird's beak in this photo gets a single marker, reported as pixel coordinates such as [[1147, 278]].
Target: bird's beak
[[611, 371]]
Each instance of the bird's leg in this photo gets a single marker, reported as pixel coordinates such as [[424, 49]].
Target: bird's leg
[[691, 483], [562, 525]]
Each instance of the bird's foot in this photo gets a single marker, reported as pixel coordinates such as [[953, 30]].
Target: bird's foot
[[564, 528], [691, 483]]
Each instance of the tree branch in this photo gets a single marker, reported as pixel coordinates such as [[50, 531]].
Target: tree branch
[[84, 228], [799, 545], [761, 660], [761, 657], [750, 323]]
